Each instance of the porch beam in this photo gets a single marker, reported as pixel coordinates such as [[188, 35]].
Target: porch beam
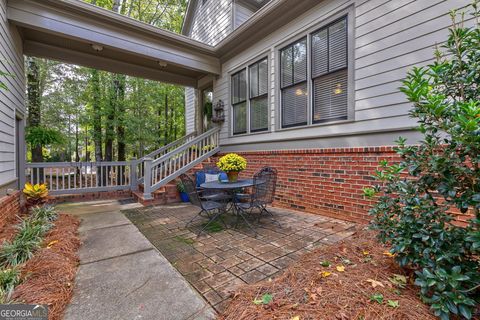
[[41, 50], [93, 29]]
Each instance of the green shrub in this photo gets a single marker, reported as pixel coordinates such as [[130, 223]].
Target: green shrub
[[45, 213], [9, 278], [29, 237], [439, 175]]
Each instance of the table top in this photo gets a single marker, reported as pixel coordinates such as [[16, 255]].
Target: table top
[[227, 185]]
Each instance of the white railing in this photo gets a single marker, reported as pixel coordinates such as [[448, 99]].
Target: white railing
[[77, 177], [162, 170], [154, 170], [140, 164]]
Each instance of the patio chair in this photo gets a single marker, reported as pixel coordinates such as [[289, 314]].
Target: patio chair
[[209, 209], [263, 193], [202, 176]]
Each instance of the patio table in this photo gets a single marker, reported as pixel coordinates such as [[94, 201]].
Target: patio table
[[231, 187]]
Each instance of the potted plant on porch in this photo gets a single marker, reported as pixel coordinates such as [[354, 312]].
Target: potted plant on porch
[[232, 164], [181, 189]]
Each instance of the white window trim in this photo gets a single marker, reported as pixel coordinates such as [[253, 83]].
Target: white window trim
[[246, 67], [349, 13]]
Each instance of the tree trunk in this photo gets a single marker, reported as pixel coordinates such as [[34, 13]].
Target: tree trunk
[[166, 137], [97, 115], [121, 118], [34, 109]]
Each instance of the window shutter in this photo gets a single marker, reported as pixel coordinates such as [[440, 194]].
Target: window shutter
[[259, 114], [294, 105], [337, 38], [240, 118], [330, 97]]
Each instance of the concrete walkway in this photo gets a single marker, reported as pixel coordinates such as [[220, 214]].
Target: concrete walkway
[[121, 275]]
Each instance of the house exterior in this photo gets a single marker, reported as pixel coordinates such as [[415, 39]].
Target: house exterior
[[308, 86], [318, 96]]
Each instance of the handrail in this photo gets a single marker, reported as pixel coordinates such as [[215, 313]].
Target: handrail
[[168, 146], [186, 145], [160, 171]]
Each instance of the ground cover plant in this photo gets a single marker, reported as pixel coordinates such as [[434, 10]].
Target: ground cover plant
[[438, 180], [38, 260]]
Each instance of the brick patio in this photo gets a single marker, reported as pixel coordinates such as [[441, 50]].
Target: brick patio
[[220, 261]]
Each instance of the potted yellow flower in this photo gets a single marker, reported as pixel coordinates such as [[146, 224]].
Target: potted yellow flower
[[232, 164]]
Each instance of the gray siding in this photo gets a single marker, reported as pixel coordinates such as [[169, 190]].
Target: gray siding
[[189, 110], [390, 37], [12, 102], [240, 15], [212, 21]]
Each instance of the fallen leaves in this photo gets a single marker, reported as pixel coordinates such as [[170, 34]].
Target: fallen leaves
[[266, 299], [325, 274], [393, 303], [375, 283], [295, 318], [51, 243], [388, 254], [377, 297], [399, 280], [340, 268]]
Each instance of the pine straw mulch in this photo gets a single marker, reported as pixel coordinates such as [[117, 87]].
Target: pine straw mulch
[[48, 277], [306, 291]]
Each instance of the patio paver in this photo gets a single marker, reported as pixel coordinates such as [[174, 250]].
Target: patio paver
[[122, 276], [218, 263]]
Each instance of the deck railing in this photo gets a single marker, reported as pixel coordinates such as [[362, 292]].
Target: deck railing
[[77, 177], [154, 170]]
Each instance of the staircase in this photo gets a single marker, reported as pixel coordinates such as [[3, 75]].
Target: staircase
[[156, 172]]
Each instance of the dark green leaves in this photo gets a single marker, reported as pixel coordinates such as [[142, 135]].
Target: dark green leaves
[[417, 207]]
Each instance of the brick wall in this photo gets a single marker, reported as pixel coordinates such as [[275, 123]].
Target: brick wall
[[326, 180], [10, 207]]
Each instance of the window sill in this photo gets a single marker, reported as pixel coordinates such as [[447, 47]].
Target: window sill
[[250, 134], [315, 125]]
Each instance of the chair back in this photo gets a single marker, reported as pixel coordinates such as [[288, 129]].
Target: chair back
[[264, 185], [191, 190]]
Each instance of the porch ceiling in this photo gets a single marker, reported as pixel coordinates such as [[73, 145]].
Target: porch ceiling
[[66, 30]]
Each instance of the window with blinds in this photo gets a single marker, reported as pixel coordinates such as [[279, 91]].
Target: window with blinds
[[329, 72], [258, 83], [293, 84], [239, 102]]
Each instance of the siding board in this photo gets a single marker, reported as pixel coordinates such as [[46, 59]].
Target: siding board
[[13, 100], [390, 38]]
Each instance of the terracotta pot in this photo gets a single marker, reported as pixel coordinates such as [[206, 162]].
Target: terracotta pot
[[232, 176]]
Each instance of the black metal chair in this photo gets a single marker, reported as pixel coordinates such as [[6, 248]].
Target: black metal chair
[[213, 195], [263, 193], [211, 209]]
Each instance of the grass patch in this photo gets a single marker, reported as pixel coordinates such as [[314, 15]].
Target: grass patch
[[215, 226], [188, 241]]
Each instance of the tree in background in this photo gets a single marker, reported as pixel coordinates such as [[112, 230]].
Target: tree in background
[[101, 115]]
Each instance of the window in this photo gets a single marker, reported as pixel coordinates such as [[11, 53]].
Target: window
[[239, 102], [293, 65], [258, 83], [324, 72], [330, 73], [250, 104]]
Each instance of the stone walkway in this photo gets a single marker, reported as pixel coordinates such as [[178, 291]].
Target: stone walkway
[[224, 259], [121, 275]]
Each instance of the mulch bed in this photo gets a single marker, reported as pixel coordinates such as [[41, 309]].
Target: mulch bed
[[49, 276], [310, 290]]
